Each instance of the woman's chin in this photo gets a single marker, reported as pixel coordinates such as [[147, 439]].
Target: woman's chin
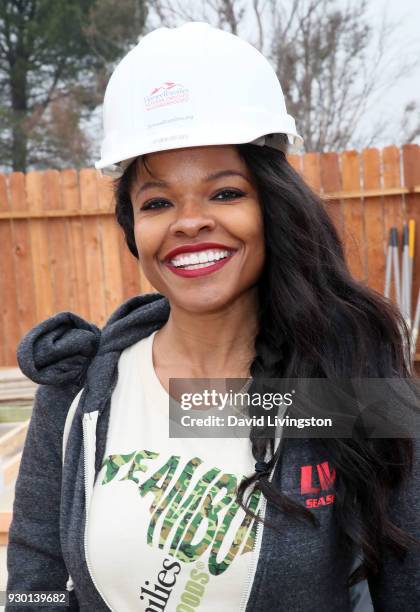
[[200, 301]]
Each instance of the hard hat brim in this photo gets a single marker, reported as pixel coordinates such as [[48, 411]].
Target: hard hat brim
[[115, 165]]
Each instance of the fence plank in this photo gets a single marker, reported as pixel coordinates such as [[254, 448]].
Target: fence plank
[[58, 241], [9, 303], [44, 299], [296, 162], [111, 253], [92, 247], [331, 182], [374, 222], [23, 254], [393, 204], [312, 171], [353, 236], [130, 275], [9, 296], [411, 165], [79, 299], [3, 281]]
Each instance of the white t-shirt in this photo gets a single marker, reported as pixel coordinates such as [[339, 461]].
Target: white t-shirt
[[164, 530]]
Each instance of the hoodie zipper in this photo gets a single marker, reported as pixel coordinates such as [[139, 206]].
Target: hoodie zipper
[[89, 445], [256, 547], [70, 584], [254, 559], [67, 427]]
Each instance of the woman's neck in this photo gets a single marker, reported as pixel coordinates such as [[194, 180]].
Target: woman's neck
[[217, 344]]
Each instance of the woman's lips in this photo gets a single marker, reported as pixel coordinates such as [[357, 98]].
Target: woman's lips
[[200, 271]]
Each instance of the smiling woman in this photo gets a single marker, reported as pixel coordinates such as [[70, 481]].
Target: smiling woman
[[251, 283], [209, 208], [287, 279]]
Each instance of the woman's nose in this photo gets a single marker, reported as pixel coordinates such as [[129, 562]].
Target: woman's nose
[[191, 218]]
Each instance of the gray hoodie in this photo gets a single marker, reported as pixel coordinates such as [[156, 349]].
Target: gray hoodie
[[299, 567]]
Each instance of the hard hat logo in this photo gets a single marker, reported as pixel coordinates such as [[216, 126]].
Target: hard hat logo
[[166, 94], [168, 85]]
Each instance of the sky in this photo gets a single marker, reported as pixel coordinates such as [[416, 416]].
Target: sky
[[406, 44]]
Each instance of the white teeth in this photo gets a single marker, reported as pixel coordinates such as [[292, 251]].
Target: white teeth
[[197, 266], [200, 257]]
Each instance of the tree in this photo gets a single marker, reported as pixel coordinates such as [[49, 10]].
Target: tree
[[332, 64], [333, 69], [55, 57]]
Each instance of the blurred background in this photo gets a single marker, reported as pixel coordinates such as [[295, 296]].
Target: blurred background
[[350, 72]]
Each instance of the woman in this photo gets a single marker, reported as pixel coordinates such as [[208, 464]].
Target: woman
[[251, 283]]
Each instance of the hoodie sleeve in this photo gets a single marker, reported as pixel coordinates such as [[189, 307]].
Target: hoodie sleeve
[[56, 354], [59, 350], [34, 558], [397, 586]]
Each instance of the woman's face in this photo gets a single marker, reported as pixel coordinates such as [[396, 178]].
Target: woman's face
[[186, 202]]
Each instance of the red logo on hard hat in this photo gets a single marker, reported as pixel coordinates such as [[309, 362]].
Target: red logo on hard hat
[[165, 95], [168, 85]]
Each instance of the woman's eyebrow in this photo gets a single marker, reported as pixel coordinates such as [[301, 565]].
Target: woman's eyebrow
[[210, 177]]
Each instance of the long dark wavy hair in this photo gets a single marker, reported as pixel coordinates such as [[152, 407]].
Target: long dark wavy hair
[[316, 321]]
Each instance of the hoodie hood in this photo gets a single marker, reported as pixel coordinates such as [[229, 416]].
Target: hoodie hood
[[60, 349]]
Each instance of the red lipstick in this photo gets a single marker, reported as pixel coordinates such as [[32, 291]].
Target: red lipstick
[[199, 246], [202, 246]]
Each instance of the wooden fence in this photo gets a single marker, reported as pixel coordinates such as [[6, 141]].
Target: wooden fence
[[62, 249]]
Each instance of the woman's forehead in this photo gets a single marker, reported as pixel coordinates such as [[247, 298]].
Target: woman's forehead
[[193, 162]]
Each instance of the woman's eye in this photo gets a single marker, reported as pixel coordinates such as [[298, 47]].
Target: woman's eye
[[233, 193], [228, 194], [153, 204]]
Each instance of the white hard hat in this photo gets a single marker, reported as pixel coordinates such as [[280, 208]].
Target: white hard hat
[[193, 85]]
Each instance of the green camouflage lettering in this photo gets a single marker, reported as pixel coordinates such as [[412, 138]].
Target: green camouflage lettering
[[188, 513], [167, 472], [191, 504], [112, 464], [216, 568], [173, 499], [207, 512]]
